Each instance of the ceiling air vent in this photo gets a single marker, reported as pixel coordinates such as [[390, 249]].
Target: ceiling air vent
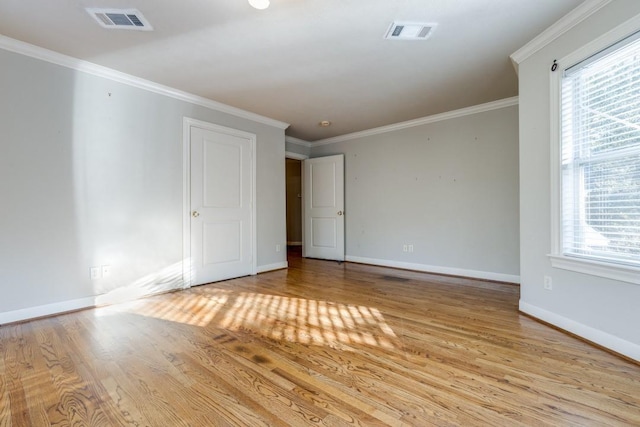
[[124, 19], [409, 31]]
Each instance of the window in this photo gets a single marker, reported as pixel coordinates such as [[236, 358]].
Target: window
[[600, 157]]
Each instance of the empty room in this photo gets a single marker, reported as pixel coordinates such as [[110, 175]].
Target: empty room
[[337, 212]]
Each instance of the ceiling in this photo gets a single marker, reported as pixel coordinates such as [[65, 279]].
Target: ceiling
[[304, 61]]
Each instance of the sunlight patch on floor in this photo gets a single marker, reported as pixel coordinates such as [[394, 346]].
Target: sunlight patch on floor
[[299, 320], [307, 321]]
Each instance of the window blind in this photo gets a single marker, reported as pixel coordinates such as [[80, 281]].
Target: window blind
[[601, 156]]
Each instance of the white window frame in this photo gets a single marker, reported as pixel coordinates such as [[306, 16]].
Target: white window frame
[[619, 272]]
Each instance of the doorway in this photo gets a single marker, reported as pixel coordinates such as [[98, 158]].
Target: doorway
[[294, 206]]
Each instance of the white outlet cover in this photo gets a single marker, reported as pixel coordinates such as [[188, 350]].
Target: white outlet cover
[[106, 270]]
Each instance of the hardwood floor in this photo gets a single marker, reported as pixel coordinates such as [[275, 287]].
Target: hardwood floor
[[320, 343]]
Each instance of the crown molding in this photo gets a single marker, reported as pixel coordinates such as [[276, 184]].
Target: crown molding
[[26, 49], [296, 141], [494, 105], [564, 24]]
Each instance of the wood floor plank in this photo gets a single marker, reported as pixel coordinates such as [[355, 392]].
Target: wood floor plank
[[320, 343]]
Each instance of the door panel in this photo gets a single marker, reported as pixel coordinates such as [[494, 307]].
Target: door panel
[[323, 232], [228, 232], [323, 174], [221, 196], [223, 164], [324, 207]]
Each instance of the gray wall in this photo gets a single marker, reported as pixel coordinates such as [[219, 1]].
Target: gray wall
[[291, 147], [602, 310], [91, 174], [448, 188]]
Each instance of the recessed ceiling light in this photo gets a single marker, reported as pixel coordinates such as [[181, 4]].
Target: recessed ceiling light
[[325, 123], [259, 4]]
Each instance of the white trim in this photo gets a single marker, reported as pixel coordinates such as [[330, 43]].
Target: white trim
[[485, 275], [296, 141], [564, 24], [555, 161], [186, 204], [558, 260], [489, 106], [46, 310], [294, 243], [47, 55], [102, 300], [597, 336], [295, 156], [619, 272], [272, 267], [187, 123], [620, 32]]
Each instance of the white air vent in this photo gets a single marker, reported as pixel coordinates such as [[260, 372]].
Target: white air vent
[[124, 19], [409, 31]]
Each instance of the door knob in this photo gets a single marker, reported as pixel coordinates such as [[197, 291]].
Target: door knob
[[339, 212], [195, 214]]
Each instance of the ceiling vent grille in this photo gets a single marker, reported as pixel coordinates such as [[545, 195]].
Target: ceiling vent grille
[[409, 31], [124, 19]]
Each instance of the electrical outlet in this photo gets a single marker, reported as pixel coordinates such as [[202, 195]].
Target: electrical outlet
[[95, 273], [410, 248], [404, 248], [277, 248], [548, 284], [106, 270]]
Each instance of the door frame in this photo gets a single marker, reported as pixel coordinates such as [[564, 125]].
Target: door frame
[[187, 124]]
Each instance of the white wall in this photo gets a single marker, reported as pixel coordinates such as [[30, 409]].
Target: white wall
[[91, 174], [449, 188], [602, 310]]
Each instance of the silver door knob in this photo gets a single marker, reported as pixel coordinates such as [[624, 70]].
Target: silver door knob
[[339, 212], [195, 214]]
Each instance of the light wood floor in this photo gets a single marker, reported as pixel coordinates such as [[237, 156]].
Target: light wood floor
[[320, 343]]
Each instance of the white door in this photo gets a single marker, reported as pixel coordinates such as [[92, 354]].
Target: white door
[[221, 204], [324, 207]]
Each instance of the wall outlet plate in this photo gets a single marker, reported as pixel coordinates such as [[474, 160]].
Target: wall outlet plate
[[106, 270]]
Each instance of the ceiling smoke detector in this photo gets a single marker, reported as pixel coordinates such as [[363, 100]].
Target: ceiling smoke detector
[[123, 19], [409, 31]]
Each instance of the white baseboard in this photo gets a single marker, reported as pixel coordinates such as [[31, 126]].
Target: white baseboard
[[271, 267], [485, 275], [46, 310], [294, 243], [626, 348], [115, 296]]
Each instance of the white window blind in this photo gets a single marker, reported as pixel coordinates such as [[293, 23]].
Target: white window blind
[[601, 156]]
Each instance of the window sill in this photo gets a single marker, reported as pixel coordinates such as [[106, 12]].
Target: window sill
[[622, 273]]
